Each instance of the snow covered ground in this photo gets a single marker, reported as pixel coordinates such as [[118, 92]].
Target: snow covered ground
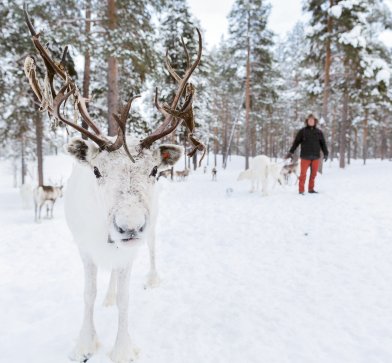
[[246, 278]]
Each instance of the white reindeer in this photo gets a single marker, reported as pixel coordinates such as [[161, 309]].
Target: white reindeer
[[257, 173], [262, 171], [275, 174], [45, 195], [110, 204]]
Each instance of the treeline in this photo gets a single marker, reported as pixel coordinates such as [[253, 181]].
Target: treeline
[[333, 64], [253, 89]]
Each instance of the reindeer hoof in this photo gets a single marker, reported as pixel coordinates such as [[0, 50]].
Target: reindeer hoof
[[84, 350], [153, 281], [125, 354]]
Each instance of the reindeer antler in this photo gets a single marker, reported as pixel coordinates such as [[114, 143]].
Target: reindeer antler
[[53, 102], [173, 116]]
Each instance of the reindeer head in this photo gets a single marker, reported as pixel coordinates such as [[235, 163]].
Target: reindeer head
[[123, 189], [121, 174]]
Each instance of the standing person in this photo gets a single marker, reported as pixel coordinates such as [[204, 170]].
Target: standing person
[[312, 141]]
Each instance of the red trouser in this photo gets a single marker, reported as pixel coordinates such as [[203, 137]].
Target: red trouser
[[314, 164]]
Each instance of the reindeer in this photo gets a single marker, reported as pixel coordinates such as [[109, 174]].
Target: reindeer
[[214, 172], [45, 194], [165, 173], [291, 169], [182, 175], [110, 204], [257, 173]]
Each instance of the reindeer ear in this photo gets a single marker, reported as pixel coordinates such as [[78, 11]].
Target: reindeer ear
[[169, 154], [80, 149]]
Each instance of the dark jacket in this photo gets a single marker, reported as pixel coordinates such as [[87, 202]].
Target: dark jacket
[[311, 140]]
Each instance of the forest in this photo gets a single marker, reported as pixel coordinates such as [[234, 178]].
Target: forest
[[253, 90]]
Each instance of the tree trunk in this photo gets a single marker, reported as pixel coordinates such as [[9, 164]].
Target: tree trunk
[[253, 139], [23, 158], [216, 145], [355, 143], [225, 138], [14, 172], [87, 62], [349, 146], [185, 138], [327, 67], [194, 160], [113, 94], [343, 130], [247, 100], [383, 146], [333, 136], [39, 130], [365, 137]]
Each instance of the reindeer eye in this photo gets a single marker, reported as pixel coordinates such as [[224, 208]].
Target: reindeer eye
[[97, 173]]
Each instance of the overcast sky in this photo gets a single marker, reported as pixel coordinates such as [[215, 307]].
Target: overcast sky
[[284, 14]]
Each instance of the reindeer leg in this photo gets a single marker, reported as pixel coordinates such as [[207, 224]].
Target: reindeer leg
[[87, 343], [39, 211], [153, 279], [252, 188], [110, 298], [264, 186], [123, 350], [51, 210], [35, 211]]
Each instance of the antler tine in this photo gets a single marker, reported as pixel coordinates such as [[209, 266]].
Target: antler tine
[[198, 57], [165, 129], [170, 68], [28, 21], [122, 121], [157, 104], [60, 98], [54, 68], [51, 66], [64, 56], [30, 71], [86, 116], [186, 53]]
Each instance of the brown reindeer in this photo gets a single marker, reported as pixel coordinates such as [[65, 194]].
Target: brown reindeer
[[214, 173], [165, 174], [182, 174], [46, 195], [290, 169]]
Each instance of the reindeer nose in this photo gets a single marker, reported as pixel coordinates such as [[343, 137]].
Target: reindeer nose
[[127, 233]]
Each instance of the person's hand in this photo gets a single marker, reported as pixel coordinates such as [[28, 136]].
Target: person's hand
[[325, 158], [289, 156]]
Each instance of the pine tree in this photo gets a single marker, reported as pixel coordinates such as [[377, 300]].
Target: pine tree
[[251, 45]]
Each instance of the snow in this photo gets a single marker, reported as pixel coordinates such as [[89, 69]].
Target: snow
[[336, 11], [246, 278], [383, 76], [376, 67], [353, 37]]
